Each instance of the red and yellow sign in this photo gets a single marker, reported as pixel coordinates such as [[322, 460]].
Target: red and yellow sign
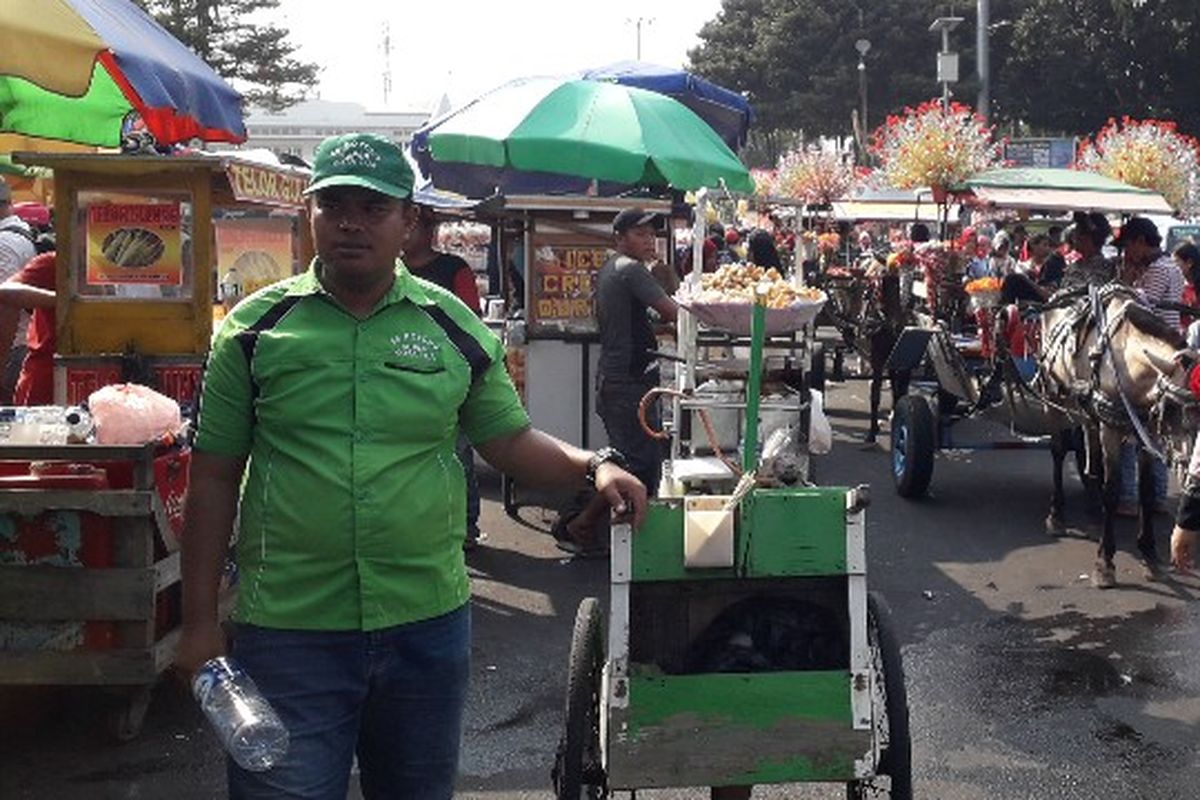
[[253, 253], [134, 243], [562, 294], [261, 184]]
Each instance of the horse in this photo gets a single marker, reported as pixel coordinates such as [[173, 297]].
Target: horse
[[870, 316], [1111, 365]]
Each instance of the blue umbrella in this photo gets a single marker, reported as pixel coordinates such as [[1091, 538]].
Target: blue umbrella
[[727, 112]]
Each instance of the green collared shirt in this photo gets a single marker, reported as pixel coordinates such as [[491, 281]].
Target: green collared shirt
[[353, 509]]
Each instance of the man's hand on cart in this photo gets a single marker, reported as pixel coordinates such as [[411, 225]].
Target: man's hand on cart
[[1183, 549], [623, 493]]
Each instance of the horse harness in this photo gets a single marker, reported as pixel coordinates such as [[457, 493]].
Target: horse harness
[[1083, 312]]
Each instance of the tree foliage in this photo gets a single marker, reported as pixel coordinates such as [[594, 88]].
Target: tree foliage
[[797, 62], [1075, 63], [1057, 66], [232, 38]]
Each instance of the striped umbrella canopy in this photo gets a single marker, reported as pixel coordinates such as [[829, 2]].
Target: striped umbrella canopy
[[88, 71], [582, 128]]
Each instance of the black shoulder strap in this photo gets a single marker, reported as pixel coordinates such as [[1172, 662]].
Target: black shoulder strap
[[464, 342], [23, 231], [248, 338]]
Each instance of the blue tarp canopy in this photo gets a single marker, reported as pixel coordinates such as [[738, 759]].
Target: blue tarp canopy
[[726, 111]]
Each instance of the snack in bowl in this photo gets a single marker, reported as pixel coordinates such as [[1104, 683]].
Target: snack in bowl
[[737, 283]]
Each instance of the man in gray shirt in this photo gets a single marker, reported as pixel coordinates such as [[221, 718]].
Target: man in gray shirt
[[625, 290]]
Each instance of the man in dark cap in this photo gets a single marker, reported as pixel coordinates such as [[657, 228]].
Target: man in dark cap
[[625, 290]]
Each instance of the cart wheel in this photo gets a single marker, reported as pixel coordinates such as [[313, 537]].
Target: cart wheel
[[912, 446], [816, 369], [577, 766], [889, 708], [123, 721]]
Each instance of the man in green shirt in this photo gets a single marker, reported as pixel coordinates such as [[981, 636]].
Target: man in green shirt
[[332, 403]]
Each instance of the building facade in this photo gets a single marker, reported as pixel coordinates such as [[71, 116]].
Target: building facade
[[299, 129]]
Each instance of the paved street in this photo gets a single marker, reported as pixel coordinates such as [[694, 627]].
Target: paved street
[[1023, 681]]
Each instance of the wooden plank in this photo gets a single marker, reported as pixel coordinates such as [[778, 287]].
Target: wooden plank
[[135, 549], [165, 649], [36, 594], [734, 730], [105, 502], [166, 572], [794, 532], [78, 668]]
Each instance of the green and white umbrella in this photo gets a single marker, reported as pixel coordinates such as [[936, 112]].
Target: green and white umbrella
[[580, 128]]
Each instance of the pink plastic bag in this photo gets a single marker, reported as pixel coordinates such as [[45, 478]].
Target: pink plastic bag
[[128, 413]]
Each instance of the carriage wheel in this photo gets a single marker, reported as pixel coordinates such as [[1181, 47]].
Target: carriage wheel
[[912, 446], [578, 771], [889, 711]]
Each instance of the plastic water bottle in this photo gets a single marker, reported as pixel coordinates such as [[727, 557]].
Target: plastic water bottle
[[244, 721]]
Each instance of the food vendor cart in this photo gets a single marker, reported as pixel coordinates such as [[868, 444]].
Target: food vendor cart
[[558, 244], [89, 561], [742, 646]]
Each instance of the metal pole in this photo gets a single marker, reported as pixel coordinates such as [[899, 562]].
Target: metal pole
[[946, 84], [862, 98], [639, 38], [983, 104]]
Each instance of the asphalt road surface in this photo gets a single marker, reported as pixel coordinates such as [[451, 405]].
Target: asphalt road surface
[[1023, 681]]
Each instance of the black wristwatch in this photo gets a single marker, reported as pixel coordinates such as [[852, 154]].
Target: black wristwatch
[[604, 455]]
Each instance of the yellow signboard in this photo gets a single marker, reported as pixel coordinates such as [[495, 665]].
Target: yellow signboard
[[138, 243], [253, 253]]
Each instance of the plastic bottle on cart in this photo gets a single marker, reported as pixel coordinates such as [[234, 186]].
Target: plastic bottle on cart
[[244, 721], [48, 425]]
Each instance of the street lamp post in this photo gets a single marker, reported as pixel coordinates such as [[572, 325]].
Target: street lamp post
[[638, 22], [863, 46], [947, 59]]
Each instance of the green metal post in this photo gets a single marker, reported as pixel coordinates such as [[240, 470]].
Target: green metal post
[[758, 330]]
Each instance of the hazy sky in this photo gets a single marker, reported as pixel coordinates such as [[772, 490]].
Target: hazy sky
[[464, 48]]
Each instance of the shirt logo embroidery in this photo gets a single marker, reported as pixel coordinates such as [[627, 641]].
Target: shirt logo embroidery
[[354, 154], [415, 346]]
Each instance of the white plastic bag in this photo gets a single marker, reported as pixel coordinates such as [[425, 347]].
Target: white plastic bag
[[820, 432], [128, 413]]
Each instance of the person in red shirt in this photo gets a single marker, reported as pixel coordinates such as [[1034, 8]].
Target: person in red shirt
[[32, 287], [455, 275]]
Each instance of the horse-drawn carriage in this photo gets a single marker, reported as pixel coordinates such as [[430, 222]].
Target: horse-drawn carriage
[[1083, 371]]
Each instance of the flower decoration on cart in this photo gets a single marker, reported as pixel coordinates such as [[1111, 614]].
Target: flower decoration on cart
[[930, 146], [815, 176], [1150, 154], [765, 183]]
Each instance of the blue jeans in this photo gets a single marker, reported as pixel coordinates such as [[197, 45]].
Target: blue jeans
[[1129, 476], [394, 697]]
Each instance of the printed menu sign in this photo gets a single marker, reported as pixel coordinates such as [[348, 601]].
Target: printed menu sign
[[138, 243]]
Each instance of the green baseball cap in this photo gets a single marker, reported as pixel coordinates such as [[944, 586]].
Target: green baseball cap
[[361, 159]]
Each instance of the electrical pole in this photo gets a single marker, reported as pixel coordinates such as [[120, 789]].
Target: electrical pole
[[638, 22], [386, 47], [984, 102]]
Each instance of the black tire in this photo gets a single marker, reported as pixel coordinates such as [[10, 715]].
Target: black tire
[[912, 446], [892, 732], [577, 767], [816, 368]]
